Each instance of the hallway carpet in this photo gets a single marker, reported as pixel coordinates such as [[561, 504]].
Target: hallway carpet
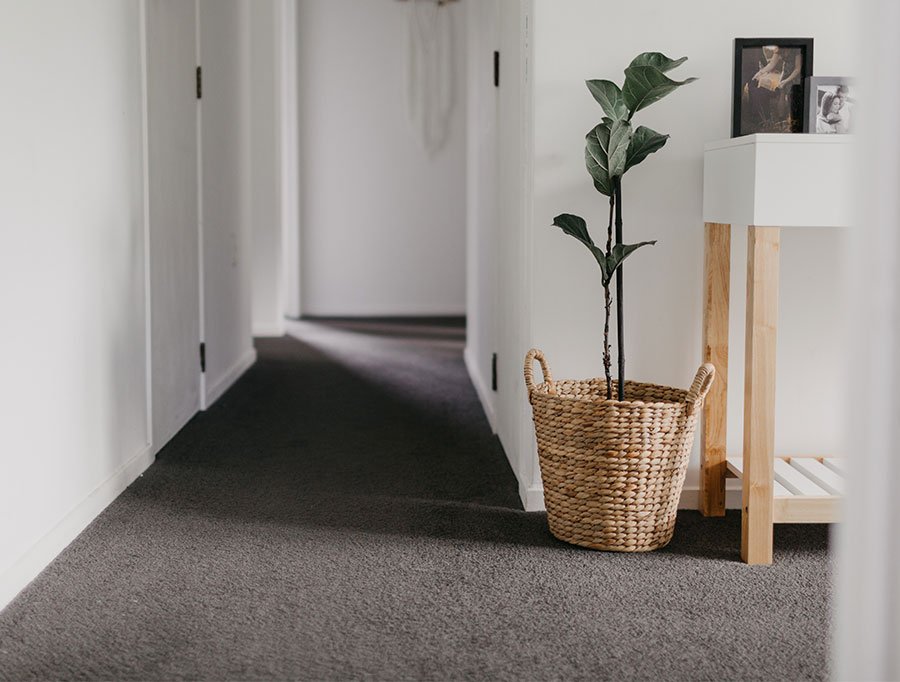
[[345, 513]]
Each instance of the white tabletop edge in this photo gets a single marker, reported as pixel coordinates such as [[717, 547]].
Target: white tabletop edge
[[778, 138]]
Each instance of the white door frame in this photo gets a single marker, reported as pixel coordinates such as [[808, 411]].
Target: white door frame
[[867, 590], [200, 266], [290, 159]]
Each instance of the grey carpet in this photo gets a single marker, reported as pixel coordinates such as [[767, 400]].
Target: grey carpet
[[345, 513]]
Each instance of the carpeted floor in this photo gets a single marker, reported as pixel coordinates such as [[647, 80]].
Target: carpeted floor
[[344, 512]]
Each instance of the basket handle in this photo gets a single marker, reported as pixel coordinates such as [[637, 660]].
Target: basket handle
[[698, 390], [530, 357]]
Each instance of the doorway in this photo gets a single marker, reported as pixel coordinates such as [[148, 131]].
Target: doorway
[[198, 205]]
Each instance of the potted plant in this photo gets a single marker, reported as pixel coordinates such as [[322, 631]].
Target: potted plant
[[613, 467]]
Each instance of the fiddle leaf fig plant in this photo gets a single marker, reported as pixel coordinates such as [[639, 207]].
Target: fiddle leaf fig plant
[[613, 147], [609, 261]]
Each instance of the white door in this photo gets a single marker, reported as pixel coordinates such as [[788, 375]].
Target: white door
[[173, 197], [224, 183], [482, 256]]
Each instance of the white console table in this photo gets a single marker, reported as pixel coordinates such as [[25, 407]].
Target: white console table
[[767, 182]]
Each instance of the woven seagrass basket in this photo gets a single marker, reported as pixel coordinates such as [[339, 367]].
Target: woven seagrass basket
[[613, 471]]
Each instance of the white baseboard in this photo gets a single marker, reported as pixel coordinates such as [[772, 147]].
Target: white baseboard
[[533, 498], [690, 499], [388, 309], [233, 374], [481, 388], [36, 559], [269, 330], [162, 442]]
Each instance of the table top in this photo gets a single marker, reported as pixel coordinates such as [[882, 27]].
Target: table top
[[780, 180], [778, 138]]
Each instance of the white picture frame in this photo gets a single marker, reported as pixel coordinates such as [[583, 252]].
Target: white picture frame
[[830, 104]]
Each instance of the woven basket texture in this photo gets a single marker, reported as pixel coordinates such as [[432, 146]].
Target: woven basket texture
[[613, 471]]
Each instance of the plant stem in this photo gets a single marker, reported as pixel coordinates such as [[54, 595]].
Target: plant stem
[[607, 354], [620, 318]]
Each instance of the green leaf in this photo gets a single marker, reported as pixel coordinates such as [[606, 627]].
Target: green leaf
[[609, 96], [657, 60], [645, 85], [596, 159], [643, 143], [620, 134], [575, 226], [620, 252], [605, 153]]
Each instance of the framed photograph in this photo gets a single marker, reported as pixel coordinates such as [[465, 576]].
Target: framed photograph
[[770, 85], [829, 104]]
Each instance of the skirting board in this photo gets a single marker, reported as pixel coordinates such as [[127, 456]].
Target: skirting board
[[35, 560], [233, 374], [533, 498], [163, 441], [269, 330], [480, 388], [387, 309], [690, 499]]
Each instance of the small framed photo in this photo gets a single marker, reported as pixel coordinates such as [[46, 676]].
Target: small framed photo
[[829, 104], [770, 85]]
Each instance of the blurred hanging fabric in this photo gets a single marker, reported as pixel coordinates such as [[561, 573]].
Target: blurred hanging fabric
[[431, 78]]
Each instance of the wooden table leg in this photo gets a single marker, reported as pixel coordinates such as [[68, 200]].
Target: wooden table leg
[[717, 278], [763, 245]]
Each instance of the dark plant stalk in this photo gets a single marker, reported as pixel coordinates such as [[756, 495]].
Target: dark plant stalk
[[620, 318], [607, 354]]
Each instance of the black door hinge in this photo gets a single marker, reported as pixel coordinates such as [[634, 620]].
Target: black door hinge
[[203, 357], [494, 372], [199, 82], [496, 69]]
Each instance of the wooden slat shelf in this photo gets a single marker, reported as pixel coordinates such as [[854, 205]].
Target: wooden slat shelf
[[805, 489], [738, 189]]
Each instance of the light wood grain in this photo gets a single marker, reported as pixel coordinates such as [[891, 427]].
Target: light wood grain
[[736, 469], [796, 509], [715, 350], [763, 245]]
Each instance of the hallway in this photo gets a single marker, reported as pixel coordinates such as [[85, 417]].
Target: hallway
[[344, 512]]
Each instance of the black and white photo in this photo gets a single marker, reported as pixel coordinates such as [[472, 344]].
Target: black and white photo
[[829, 105]]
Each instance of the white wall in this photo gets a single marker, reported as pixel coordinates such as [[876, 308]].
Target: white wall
[[99, 264], [264, 46], [226, 195], [662, 200], [73, 281], [383, 225]]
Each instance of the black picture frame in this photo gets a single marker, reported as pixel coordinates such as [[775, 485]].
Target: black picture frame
[[766, 108], [819, 91]]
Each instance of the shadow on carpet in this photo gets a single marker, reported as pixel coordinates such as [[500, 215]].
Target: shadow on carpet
[[344, 512]]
